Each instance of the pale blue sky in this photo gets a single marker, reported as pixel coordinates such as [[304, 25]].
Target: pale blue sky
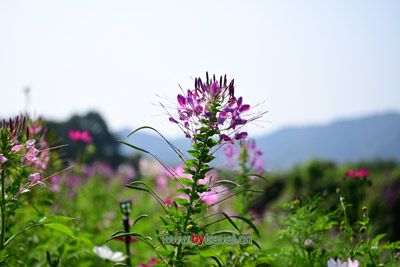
[[309, 61]]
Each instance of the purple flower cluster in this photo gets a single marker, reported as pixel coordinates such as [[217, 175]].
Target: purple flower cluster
[[212, 105]]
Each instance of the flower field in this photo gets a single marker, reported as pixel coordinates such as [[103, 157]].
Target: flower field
[[67, 200]]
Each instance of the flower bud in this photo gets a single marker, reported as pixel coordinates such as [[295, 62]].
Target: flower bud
[[309, 245], [364, 208]]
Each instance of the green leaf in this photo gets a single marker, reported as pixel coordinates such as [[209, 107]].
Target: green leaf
[[55, 219], [256, 244], [215, 258], [258, 176], [211, 142], [191, 163], [223, 232], [60, 228], [230, 220], [250, 223], [185, 181], [194, 153], [181, 201], [125, 234], [184, 190], [139, 218], [227, 182], [138, 186], [134, 147]]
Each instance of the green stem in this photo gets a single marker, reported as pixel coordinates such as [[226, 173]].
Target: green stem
[[3, 211], [189, 210]]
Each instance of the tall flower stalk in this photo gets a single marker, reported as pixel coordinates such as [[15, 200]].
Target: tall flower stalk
[[210, 115], [248, 157]]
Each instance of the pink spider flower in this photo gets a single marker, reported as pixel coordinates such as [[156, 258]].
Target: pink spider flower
[[36, 179], [253, 155], [17, 148], [31, 153], [3, 159]]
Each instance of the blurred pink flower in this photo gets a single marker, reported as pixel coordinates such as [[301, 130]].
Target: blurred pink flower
[[127, 172], [151, 262], [161, 182], [76, 135], [357, 173], [254, 156], [168, 201], [55, 183], [3, 159], [150, 168], [209, 198], [179, 171]]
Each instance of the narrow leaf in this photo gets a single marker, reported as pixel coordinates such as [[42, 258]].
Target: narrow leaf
[[215, 258], [230, 220], [139, 218], [249, 222]]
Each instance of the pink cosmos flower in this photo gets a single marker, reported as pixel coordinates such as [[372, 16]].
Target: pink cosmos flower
[[357, 173], [83, 136]]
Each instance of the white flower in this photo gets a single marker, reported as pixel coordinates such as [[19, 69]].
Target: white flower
[[339, 263], [336, 263], [106, 253], [351, 263]]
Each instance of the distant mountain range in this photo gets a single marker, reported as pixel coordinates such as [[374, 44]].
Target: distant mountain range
[[367, 138]]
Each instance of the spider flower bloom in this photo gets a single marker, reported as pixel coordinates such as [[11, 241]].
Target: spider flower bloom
[[212, 105], [83, 136], [36, 179], [3, 159], [16, 148]]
